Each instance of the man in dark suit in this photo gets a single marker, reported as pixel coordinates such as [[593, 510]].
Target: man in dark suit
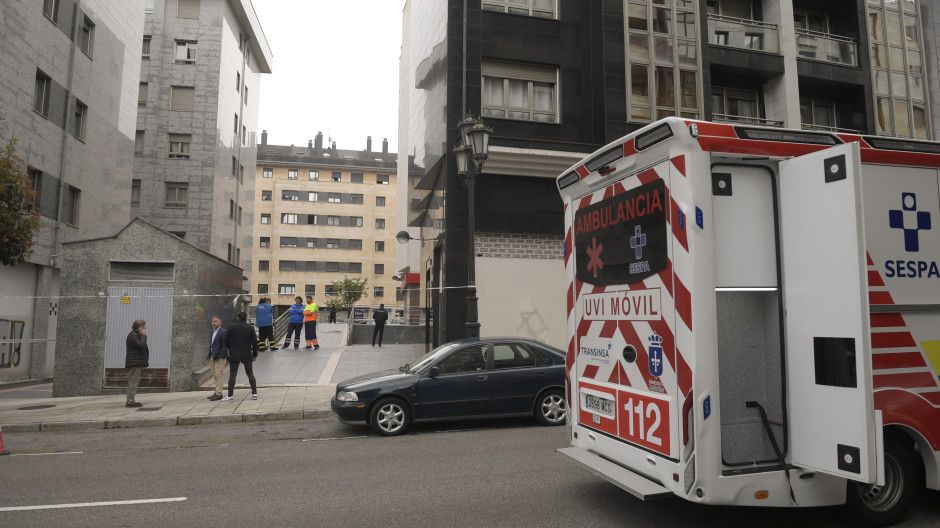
[[242, 343], [217, 356], [380, 317]]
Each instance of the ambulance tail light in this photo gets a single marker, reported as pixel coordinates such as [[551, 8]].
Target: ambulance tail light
[[602, 161], [689, 474]]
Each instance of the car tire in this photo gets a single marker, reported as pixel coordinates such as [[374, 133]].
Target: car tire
[[873, 506], [390, 417], [550, 408]]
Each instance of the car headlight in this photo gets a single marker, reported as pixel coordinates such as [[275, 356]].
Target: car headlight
[[346, 396]]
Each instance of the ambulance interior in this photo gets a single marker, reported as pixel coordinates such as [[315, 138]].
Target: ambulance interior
[[748, 298]]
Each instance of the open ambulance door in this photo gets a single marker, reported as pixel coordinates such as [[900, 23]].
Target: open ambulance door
[[832, 423]]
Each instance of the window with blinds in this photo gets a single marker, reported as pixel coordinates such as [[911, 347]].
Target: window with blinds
[[526, 92], [179, 146], [141, 271], [188, 9], [182, 98], [142, 94]]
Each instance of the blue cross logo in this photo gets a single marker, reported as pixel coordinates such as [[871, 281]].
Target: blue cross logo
[[637, 241], [909, 210]]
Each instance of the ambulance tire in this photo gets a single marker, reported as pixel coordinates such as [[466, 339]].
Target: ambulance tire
[[875, 506], [550, 408], [390, 416]]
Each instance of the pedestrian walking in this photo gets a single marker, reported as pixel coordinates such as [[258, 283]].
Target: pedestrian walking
[[332, 314], [242, 344], [137, 359], [264, 318], [295, 323], [218, 356], [380, 317], [311, 310]]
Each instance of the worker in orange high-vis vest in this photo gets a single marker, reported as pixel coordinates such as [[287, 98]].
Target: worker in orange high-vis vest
[[310, 324]]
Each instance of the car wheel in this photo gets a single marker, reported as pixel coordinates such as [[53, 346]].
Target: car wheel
[[871, 505], [390, 417], [550, 409]]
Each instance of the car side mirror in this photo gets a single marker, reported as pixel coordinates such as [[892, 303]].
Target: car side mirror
[[434, 372]]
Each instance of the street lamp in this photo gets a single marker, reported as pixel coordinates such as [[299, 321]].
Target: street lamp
[[470, 153]]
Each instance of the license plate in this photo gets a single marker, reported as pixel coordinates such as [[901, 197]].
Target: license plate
[[599, 405]]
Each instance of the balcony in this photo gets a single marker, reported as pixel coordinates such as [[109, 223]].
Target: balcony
[[812, 45], [743, 34], [823, 128], [747, 120]]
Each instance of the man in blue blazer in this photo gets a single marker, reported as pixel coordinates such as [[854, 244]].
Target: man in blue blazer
[[217, 356]]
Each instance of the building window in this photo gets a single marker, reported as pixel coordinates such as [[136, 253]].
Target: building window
[[187, 9], [289, 242], [148, 6], [334, 197], [332, 243], [41, 94], [263, 288], [314, 175], [135, 193], [86, 39], [380, 269], [817, 114], [265, 196], [380, 223], [235, 128], [285, 288], [234, 166], [265, 242], [264, 265], [238, 81], [355, 243], [536, 8], [265, 219], [246, 95], [355, 267], [329, 290], [381, 179], [332, 267], [311, 196], [290, 196], [337, 176], [70, 206], [311, 243], [231, 209], [287, 265], [379, 245], [310, 289], [179, 147], [267, 172], [244, 134], [182, 98], [356, 198], [177, 195], [185, 52], [139, 143], [332, 220], [145, 49], [238, 215], [380, 201], [79, 120], [729, 104], [288, 218], [520, 91], [50, 8], [378, 291], [356, 221], [142, 94], [291, 174], [355, 177]]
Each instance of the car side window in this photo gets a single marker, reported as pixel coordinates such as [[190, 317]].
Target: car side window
[[508, 355], [467, 359], [541, 358]]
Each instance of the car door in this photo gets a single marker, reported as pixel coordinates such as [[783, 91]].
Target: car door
[[516, 378], [461, 387]]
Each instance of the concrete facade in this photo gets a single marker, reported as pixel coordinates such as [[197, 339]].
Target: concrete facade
[[70, 102], [209, 97], [201, 285]]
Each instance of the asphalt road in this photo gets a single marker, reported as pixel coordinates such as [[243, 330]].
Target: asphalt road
[[322, 473]]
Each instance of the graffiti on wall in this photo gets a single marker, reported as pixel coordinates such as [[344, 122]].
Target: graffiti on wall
[[11, 341]]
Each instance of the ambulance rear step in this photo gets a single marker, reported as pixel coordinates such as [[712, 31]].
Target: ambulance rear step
[[633, 483]]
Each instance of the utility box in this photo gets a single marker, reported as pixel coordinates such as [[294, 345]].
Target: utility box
[[142, 272]]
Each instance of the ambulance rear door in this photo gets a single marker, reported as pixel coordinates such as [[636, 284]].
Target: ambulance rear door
[[828, 353]]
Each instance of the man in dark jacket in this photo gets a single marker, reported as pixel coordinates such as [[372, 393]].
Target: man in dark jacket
[[217, 356], [137, 359], [380, 317], [242, 343]]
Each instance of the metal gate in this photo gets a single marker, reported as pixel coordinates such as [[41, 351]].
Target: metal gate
[[125, 305]]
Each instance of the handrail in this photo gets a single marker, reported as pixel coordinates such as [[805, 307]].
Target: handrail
[[743, 21]]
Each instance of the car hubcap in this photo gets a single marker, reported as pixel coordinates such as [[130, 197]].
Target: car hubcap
[[883, 498], [553, 408], [391, 418]]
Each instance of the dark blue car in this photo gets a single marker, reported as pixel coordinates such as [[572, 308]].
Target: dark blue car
[[469, 378]]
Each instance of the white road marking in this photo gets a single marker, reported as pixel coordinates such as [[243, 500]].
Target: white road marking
[[43, 454], [87, 504]]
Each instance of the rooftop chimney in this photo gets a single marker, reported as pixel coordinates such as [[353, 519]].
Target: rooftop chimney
[[384, 145], [264, 138], [369, 144], [334, 146], [309, 147], [319, 142]]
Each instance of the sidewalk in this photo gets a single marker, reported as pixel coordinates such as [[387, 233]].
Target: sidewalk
[[307, 381]]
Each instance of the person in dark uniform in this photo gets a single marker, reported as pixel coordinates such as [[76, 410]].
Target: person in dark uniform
[[242, 343], [137, 359], [380, 317]]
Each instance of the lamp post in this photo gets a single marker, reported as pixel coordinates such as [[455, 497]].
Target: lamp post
[[470, 153]]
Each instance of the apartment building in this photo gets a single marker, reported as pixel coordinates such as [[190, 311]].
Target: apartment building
[[322, 214], [70, 73], [557, 79], [197, 119]]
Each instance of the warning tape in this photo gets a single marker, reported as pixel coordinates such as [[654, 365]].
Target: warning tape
[[229, 296]]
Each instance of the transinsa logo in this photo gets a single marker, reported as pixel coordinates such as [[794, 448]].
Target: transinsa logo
[[911, 222]]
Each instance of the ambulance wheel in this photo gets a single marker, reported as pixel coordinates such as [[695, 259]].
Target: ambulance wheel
[[550, 408], [390, 417], [871, 505]]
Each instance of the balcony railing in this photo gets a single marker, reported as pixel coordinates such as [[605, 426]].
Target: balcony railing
[[812, 45], [728, 118], [823, 128], [744, 34]]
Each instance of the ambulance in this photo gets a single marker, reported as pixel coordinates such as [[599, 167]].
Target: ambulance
[[754, 316]]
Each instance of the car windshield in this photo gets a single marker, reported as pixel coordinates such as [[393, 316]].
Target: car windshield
[[428, 358]]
